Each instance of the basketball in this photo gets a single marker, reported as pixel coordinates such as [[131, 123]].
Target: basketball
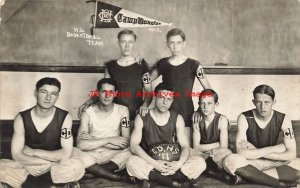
[[165, 152]]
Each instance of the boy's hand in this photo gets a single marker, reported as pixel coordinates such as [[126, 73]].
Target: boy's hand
[[139, 58], [82, 109], [197, 117], [143, 110]]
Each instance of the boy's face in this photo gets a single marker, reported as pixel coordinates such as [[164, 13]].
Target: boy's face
[[164, 100], [106, 94], [47, 96], [264, 104], [176, 44], [207, 105], [126, 43]]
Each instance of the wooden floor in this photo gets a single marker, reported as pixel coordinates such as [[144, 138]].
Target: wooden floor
[[203, 182], [44, 181]]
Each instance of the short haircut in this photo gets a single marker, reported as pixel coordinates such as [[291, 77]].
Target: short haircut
[[109, 81], [174, 32], [48, 81], [126, 32], [164, 86], [209, 93], [264, 89]]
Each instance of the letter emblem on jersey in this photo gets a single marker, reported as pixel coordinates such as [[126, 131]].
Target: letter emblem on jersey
[[288, 133], [146, 78], [66, 133], [200, 73], [125, 122]]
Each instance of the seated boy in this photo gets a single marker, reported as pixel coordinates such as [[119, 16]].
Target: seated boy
[[261, 159], [160, 126], [42, 142], [210, 136], [104, 133]]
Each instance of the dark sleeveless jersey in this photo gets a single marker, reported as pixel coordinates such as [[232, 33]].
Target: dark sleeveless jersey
[[154, 134], [182, 78], [129, 79], [212, 133], [49, 139], [264, 137]]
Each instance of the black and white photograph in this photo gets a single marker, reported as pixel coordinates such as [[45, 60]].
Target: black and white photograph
[[149, 93]]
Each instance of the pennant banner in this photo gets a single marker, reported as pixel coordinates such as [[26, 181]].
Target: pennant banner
[[110, 16]]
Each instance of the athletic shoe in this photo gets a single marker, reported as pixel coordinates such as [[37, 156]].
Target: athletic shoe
[[190, 183], [4, 185], [145, 184], [127, 179], [74, 184], [286, 184], [236, 180], [88, 175]]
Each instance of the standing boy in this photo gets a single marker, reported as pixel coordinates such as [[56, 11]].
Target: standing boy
[[180, 71]]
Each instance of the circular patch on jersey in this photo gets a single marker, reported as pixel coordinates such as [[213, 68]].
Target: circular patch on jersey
[[289, 133], [125, 122], [200, 73], [66, 133], [165, 152], [146, 78]]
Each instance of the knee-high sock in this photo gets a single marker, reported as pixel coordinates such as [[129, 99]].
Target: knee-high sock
[[251, 173], [111, 166], [105, 171], [219, 174], [160, 179], [212, 170], [210, 164], [287, 173], [179, 176]]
